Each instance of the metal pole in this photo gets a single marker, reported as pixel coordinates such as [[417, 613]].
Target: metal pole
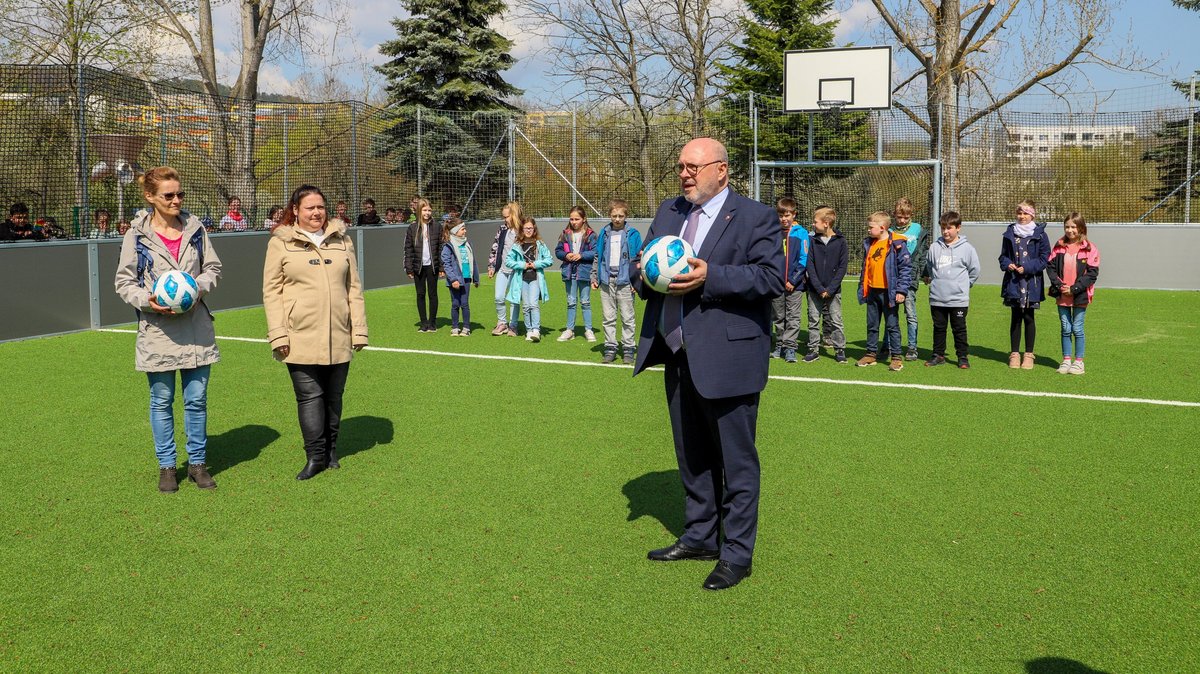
[[93, 253], [81, 100], [936, 214], [419, 180], [354, 157], [878, 135], [1187, 195], [163, 120], [574, 152], [512, 160], [754, 141], [286, 151], [810, 136]]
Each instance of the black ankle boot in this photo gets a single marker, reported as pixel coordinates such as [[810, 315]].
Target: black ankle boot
[[311, 468], [333, 459]]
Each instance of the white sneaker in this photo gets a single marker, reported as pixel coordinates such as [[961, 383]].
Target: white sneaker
[[529, 336], [453, 332], [536, 336], [1065, 367], [566, 336], [589, 335], [465, 332], [1077, 367]]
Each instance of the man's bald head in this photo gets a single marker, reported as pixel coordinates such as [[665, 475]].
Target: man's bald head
[[709, 160]]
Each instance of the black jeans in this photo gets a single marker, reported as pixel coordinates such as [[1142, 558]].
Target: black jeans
[[426, 282], [319, 405], [957, 318]]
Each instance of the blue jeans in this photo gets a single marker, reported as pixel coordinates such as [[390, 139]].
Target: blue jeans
[[195, 414], [503, 278], [1072, 326], [531, 297], [460, 301], [584, 290], [910, 315], [877, 306]]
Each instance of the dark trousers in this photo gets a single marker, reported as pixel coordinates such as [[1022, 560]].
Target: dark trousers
[[877, 307], [319, 404], [426, 282], [957, 318], [1022, 316], [460, 300], [718, 464]]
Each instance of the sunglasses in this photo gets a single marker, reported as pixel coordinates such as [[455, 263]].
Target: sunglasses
[[170, 196]]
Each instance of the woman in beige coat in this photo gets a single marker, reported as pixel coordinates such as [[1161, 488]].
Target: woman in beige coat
[[167, 238], [315, 317]]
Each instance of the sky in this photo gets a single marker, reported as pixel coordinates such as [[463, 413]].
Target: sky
[[1163, 33]]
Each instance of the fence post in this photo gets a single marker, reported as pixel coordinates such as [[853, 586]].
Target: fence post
[[574, 153], [810, 136], [420, 190], [286, 150], [1187, 176], [753, 141], [354, 158], [81, 113], [512, 160], [879, 135]]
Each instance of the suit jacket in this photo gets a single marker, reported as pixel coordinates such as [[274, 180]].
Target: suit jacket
[[727, 322]]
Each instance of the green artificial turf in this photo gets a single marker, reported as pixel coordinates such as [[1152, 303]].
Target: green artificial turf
[[495, 514]]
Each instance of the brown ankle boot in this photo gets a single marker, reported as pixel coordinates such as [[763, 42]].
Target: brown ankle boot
[[198, 473], [1027, 362], [167, 483]]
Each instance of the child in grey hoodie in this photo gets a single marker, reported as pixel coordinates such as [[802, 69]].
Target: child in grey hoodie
[[951, 268]]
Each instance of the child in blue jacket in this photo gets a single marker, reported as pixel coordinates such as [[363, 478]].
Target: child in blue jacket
[[788, 306], [886, 276], [1024, 253], [458, 261], [616, 245], [577, 250]]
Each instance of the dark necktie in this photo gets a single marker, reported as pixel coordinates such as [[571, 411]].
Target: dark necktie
[[672, 324]]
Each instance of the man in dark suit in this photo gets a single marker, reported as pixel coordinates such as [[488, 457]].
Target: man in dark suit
[[712, 334]]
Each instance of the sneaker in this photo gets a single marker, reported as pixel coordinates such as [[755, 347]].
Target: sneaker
[[589, 335], [465, 332], [1065, 367], [866, 360], [167, 482], [840, 357], [529, 336], [629, 358], [1014, 360], [512, 331], [566, 336], [964, 364], [1027, 361], [501, 329], [789, 355], [897, 364], [935, 361], [1077, 366], [454, 332], [911, 354], [535, 336], [778, 352], [813, 356]]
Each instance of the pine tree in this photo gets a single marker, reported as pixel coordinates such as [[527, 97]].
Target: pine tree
[[447, 60], [771, 28]]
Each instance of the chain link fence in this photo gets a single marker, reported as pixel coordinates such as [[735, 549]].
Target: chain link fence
[[72, 141]]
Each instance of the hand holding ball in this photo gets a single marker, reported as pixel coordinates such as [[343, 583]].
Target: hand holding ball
[[176, 290], [663, 259]]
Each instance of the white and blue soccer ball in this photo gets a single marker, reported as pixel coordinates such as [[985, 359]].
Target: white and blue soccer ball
[[663, 259], [176, 290]]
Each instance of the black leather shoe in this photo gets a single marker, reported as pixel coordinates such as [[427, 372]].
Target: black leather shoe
[[677, 551], [311, 468], [333, 460], [725, 576]]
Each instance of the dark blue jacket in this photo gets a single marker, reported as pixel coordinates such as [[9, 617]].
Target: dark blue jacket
[[1034, 260], [897, 268], [827, 264], [453, 271], [727, 321], [581, 269]]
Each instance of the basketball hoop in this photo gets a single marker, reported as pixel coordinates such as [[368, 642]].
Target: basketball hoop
[[832, 107]]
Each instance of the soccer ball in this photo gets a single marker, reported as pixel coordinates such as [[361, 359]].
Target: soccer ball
[[664, 259], [176, 290]]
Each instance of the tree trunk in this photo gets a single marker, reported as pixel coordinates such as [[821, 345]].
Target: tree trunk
[[942, 80]]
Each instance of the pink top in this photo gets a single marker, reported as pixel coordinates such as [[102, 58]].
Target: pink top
[[172, 245], [1069, 275]]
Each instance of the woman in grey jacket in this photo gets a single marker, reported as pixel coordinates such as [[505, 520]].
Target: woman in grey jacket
[[158, 241]]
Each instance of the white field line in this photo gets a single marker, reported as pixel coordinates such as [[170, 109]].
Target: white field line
[[808, 380]]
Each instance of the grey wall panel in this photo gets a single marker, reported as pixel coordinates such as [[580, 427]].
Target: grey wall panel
[[382, 256], [112, 310], [45, 289], [242, 255]]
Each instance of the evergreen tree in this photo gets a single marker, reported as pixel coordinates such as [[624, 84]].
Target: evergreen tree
[[447, 61], [771, 28]]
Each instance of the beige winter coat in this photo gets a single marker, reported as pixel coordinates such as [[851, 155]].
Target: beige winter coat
[[168, 341], [312, 296]]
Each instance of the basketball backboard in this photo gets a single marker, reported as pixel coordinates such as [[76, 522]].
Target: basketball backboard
[[853, 78]]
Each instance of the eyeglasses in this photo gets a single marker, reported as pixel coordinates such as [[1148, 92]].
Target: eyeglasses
[[694, 169], [170, 196]]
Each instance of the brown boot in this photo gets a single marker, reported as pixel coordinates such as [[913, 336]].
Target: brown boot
[[198, 473], [1014, 360], [167, 483], [1027, 362]]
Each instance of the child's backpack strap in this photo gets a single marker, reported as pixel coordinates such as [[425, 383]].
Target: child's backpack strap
[[197, 242], [144, 261]]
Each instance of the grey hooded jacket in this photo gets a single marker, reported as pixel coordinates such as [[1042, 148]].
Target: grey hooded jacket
[[952, 269]]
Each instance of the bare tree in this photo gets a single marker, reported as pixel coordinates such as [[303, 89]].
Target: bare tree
[[694, 36], [992, 51]]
